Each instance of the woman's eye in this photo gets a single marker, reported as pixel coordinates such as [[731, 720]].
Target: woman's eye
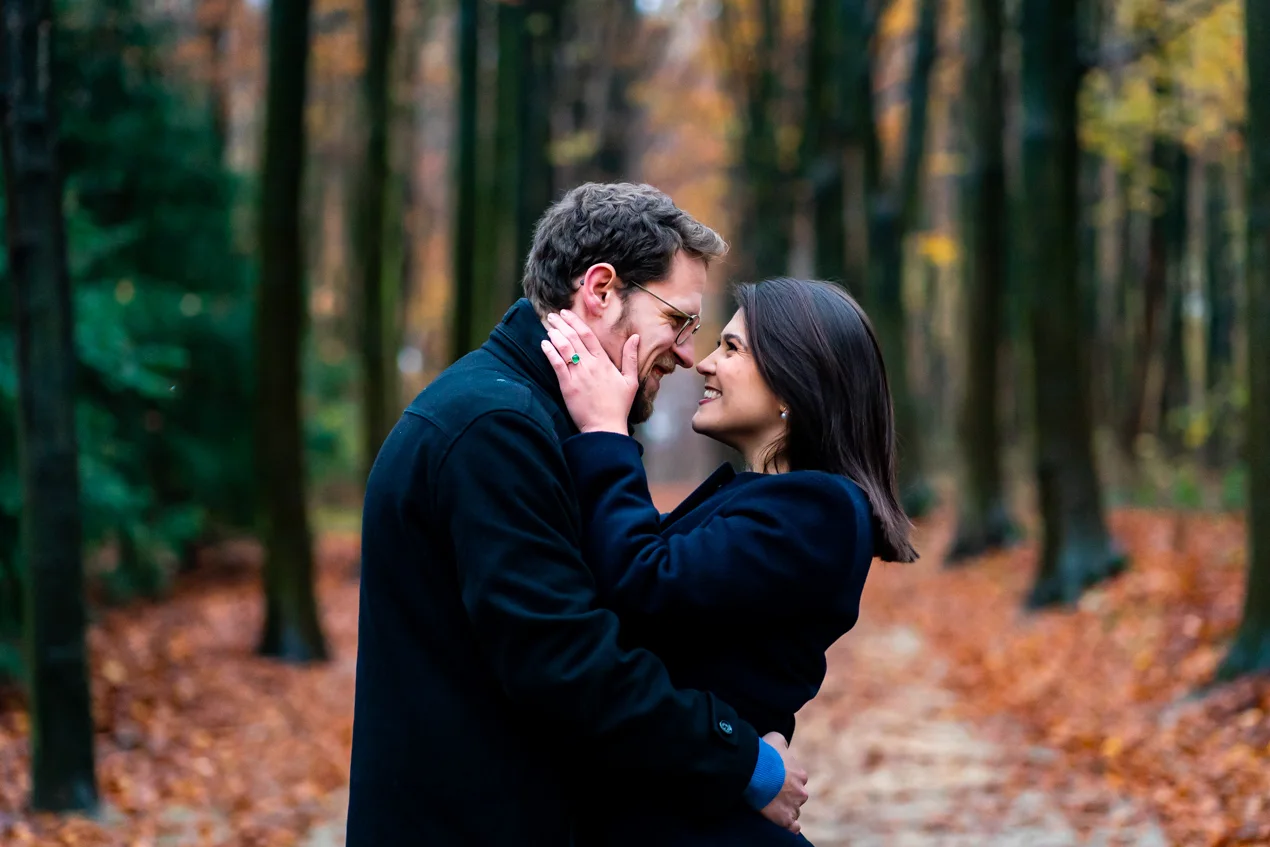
[[731, 347]]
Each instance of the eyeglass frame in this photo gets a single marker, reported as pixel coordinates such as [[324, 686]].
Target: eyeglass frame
[[693, 321]]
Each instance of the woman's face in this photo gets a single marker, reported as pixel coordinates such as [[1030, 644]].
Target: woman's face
[[738, 408]]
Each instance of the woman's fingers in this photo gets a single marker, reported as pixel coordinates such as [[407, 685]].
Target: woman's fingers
[[561, 343], [557, 363], [585, 336], [569, 334]]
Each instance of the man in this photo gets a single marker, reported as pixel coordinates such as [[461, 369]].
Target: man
[[491, 692]]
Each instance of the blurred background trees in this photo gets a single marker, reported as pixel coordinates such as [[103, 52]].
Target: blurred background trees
[[281, 221]]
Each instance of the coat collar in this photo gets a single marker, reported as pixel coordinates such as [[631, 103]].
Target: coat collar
[[515, 342], [723, 475]]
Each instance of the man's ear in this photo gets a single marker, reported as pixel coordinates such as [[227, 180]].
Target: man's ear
[[599, 289]]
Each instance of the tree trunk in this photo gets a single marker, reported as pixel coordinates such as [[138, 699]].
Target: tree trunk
[[1251, 650], [771, 216], [1219, 275], [537, 173], [614, 156], [512, 38], [291, 630], [1173, 387], [891, 214], [824, 142], [1076, 551], [463, 336], [1151, 349], [984, 521], [217, 24], [62, 762], [377, 362]]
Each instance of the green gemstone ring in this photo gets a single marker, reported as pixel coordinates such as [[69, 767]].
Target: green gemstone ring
[[575, 359]]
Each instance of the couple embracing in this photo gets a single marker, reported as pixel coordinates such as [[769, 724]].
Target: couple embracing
[[543, 658]]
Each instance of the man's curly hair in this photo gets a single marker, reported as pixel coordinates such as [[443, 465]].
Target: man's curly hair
[[635, 228]]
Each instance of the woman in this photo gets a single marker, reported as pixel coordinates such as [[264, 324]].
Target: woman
[[743, 587]]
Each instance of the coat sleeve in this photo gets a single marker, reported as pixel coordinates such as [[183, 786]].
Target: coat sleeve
[[786, 542], [504, 490]]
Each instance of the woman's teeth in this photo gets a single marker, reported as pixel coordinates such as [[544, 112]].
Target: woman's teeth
[[711, 394]]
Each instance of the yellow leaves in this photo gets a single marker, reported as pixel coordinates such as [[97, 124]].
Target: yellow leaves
[[940, 249], [899, 18], [1200, 67], [575, 147]]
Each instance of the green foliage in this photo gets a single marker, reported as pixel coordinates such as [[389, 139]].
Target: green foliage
[[163, 305]]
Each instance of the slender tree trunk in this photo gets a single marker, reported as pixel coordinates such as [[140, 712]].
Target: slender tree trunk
[[292, 630], [62, 764], [216, 28], [771, 218], [1172, 389], [1077, 550], [463, 336], [512, 41], [537, 173], [891, 214], [984, 521], [1151, 350], [614, 157], [1251, 650], [378, 384], [1219, 275], [824, 150]]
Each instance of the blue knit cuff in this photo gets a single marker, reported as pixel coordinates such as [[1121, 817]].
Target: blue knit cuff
[[768, 778]]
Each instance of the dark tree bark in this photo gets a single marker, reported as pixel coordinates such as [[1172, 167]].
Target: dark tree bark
[[984, 521], [1251, 650], [766, 228], [537, 87], [378, 386], [62, 763], [1168, 168], [1077, 550], [614, 156], [463, 335], [824, 140], [217, 19], [1219, 275], [292, 630], [891, 212], [512, 41]]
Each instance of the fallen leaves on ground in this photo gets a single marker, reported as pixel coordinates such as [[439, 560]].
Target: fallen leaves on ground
[[1119, 686], [198, 740], [201, 742]]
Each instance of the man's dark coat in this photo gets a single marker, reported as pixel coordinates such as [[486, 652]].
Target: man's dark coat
[[491, 689]]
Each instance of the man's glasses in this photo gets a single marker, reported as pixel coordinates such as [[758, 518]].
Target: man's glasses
[[692, 323]]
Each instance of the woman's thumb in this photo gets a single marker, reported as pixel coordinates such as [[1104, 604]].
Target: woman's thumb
[[630, 358]]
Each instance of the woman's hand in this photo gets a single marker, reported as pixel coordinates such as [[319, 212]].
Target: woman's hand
[[598, 395]]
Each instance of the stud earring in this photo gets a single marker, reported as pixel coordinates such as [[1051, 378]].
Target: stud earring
[[784, 414]]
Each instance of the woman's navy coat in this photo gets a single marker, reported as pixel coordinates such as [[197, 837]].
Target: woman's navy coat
[[740, 591]]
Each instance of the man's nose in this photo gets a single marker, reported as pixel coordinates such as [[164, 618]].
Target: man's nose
[[685, 353]]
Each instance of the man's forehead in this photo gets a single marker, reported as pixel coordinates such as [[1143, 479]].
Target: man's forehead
[[685, 284]]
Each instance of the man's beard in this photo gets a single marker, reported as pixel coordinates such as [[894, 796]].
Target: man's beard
[[642, 405], [641, 408]]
